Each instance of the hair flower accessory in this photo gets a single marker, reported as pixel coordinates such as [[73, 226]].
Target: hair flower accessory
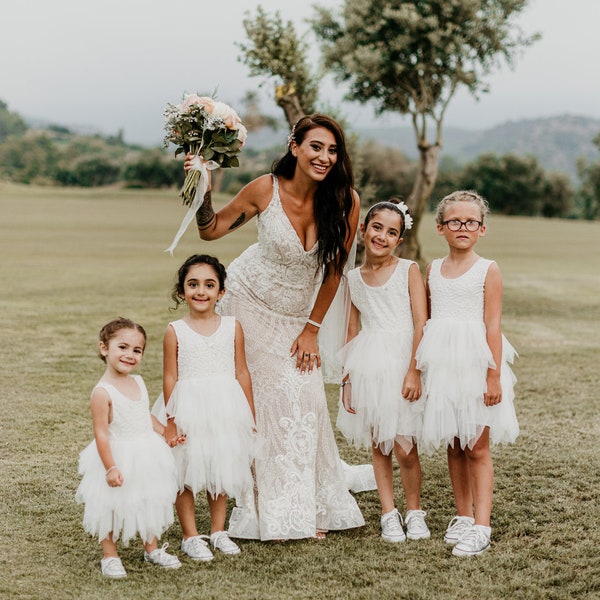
[[408, 220]]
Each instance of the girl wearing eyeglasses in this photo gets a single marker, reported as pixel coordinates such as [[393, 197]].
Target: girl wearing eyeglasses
[[463, 356]]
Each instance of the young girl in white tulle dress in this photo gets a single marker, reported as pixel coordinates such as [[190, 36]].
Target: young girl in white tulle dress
[[468, 385], [207, 392], [381, 389], [128, 484]]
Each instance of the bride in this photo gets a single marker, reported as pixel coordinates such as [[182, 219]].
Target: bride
[[280, 290]]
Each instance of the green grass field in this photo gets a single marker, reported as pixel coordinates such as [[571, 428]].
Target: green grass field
[[73, 259]]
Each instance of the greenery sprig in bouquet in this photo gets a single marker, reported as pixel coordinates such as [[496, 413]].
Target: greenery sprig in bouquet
[[206, 128]]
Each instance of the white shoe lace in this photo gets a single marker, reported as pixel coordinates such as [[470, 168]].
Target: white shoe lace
[[221, 541], [391, 524], [459, 524], [415, 520], [473, 538]]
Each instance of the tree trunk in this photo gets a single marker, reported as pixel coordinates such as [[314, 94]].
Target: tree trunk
[[288, 100], [429, 156]]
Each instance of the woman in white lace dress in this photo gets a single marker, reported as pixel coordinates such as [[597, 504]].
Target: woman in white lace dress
[[307, 215]]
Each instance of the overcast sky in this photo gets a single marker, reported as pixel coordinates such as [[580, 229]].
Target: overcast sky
[[114, 64]]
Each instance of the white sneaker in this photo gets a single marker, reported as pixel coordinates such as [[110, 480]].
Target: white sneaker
[[220, 540], [474, 541], [196, 548], [162, 558], [456, 527], [112, 567], [416, 528], [391, 527]]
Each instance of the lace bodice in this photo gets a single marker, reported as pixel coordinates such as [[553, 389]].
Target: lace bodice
[[131, 418], [201, 356], [385, 307], [459, 298], [277, 271]]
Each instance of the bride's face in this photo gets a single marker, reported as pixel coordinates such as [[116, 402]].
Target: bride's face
[[317, 154]]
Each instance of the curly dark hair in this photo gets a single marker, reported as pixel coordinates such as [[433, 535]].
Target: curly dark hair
[[333, 199], [196, 259]]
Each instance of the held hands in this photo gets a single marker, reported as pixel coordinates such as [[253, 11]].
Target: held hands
[[493, 394], [306, 349], [171, 435], [411, 388]]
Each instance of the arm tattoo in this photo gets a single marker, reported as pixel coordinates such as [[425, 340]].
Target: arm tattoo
[[205, 214], [238, 221]]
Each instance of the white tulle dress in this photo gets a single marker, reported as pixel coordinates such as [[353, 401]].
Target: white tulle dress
[[300, 483], [211, 408], [454, 357], [144, 503], [377, 360]]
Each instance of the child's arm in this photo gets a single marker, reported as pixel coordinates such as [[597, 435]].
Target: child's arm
[[411, 388], [242, 374], [100, 406], [428, 291], [353, 329], [492, 316], [169, 380]]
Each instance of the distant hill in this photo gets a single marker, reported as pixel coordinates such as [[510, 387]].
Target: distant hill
[[557, 142]]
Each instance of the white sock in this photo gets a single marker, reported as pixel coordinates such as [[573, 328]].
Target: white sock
[[485, 529]]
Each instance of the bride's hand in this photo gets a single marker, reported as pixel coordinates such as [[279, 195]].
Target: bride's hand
[[306, 349], [189, 161]]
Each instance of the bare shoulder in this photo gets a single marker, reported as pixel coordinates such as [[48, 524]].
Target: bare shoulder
[[99, 398], [259, 191]]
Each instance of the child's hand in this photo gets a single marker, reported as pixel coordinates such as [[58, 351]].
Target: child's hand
[[171, 435], [411, 388], [493, 394], [347, 397], [114, 478]]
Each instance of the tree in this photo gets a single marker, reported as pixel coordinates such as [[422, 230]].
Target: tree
[[590, 188], [274, 50], [411, 57], [515, 185], [10, 123]]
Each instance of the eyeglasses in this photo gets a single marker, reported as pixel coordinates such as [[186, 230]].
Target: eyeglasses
[[455, 225]]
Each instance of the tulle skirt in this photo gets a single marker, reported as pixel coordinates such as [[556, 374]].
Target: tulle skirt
[[454, 357], [376, 362], [220, 443], [143, 504]]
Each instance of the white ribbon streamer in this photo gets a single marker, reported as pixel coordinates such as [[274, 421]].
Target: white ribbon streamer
[[204, 167]]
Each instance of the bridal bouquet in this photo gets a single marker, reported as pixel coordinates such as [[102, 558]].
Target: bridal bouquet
[[213, 132]]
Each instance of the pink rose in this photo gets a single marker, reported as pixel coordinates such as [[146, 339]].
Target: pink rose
[[193, 99], [242, 133], [224, 112]]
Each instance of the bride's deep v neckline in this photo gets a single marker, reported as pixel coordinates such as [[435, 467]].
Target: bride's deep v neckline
[[289, 222]]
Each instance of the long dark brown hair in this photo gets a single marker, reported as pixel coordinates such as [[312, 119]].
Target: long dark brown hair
[[333, 198]]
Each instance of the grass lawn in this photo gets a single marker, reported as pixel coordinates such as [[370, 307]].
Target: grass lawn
[[73, 259]]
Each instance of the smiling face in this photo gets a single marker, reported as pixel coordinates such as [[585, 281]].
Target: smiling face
[[461, 211], [123, 351], [382, 233], [316, 154], [201, 288]]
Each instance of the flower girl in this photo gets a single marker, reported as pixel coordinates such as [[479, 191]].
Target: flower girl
[[208, 394], [381, 388], [128, 484]]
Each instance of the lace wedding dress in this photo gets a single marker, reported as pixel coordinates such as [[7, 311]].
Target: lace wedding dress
[[300, 485]]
